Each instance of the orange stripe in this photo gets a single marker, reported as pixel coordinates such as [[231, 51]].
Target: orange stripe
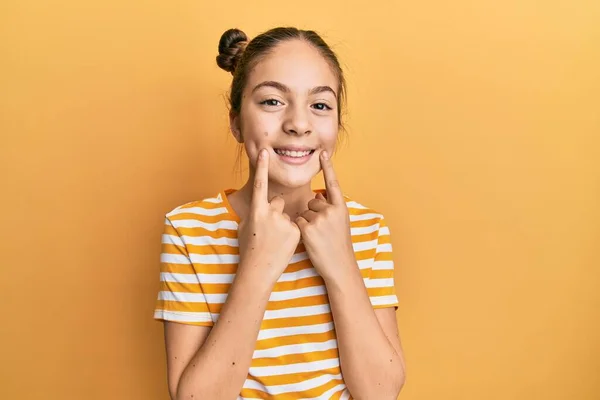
[[298, 266], [315, 392], [295, 339], [296, 358], [384, 291], [301, 302], [387, 256], [382, 274], [180, 287], [365, 237], [177, 268], [216, 268], [299, 284], [213, 249], [296, 321], [365, 254], [198, 231], [364, 223], [293, 378], [169, 305], [207, 219], [173, 249]]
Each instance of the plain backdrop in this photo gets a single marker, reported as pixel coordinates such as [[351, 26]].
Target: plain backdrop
[[473, 126]]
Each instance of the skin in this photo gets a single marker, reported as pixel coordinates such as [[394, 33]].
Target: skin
[[277, 207]]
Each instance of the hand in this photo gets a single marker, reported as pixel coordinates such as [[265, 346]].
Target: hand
[[325, 227], [267, 237]]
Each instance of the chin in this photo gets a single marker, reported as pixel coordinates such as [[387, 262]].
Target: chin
[[294, 177], [293, 181]]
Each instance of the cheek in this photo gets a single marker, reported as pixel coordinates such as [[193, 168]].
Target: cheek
[[329, 134]]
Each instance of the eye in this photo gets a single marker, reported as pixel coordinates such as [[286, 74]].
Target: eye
[[271, 102], [321, 106]]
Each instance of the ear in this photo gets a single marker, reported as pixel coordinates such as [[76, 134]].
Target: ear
[[234, 125]]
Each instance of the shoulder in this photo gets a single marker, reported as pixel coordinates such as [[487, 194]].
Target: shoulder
[[209, 210], [361, 212], [365, 222]]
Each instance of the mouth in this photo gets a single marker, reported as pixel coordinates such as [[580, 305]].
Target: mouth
[[294, 155]]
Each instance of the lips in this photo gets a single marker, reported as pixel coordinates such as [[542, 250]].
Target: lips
[[294, 153]]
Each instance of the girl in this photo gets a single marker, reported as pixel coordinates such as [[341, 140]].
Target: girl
[[274, 291]]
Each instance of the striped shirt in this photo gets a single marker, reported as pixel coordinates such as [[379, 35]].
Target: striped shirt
[[296, 354]]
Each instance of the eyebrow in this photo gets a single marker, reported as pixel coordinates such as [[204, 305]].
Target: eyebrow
[[281, 87]]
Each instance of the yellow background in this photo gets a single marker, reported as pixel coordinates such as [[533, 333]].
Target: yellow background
[[473, 126]]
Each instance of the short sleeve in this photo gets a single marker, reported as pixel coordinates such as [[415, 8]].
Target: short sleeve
[[180, 297], [380, 284]]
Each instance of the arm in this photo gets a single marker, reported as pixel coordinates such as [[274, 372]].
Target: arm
[[369, 348], [370, 352], [213, 363]]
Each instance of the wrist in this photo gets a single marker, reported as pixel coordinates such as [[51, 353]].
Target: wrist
[[259, 273], [344, 271]]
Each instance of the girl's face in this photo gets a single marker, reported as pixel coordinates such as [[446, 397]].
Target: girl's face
[[289, 106]]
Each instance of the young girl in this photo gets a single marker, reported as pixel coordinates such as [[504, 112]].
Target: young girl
[[274, 291]]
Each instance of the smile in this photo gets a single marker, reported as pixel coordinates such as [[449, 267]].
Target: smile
[[295, 156], [293, 153]]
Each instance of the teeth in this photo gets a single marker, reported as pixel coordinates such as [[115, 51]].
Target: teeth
[[291, 153]]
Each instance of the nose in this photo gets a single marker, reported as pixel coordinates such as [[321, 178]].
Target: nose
[[297, 122]]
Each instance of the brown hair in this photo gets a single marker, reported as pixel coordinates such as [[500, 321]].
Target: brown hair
[[238, 56]]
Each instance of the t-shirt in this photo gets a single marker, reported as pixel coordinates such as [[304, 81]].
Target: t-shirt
[[296, 354]]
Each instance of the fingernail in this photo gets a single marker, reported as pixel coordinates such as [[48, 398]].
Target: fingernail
[[325, 155], [262, 153]]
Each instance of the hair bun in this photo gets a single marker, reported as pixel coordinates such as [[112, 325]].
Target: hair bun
[[231, 47]]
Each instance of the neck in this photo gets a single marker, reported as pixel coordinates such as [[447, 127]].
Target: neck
[[296, 199]]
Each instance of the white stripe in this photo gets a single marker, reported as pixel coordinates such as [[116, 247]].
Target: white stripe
[[384, 231], [298, 293], [192, 223], [380, 283], [384, 248], [345, 395], [216, 298], [200, 211], [384, 300], [297, 312], [210, 241], [295, 349], [353, 204], [174, 259], [182, 316], [214, 200], [362, 246], [294, 330], [294, 276], [215, 258], [364, 230], [289, 312], [292, 387], [183, 297], [295, 368], [381, 265], [172, 239], [179, 278], [299, 257], [367, 263], [228, 278], [329, 393], [364, 217], [215, 278]]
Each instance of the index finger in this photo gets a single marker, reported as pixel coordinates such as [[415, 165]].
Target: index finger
[[261, 179], [334, 193]]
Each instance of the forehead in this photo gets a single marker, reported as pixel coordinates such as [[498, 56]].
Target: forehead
[[295, 63]]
